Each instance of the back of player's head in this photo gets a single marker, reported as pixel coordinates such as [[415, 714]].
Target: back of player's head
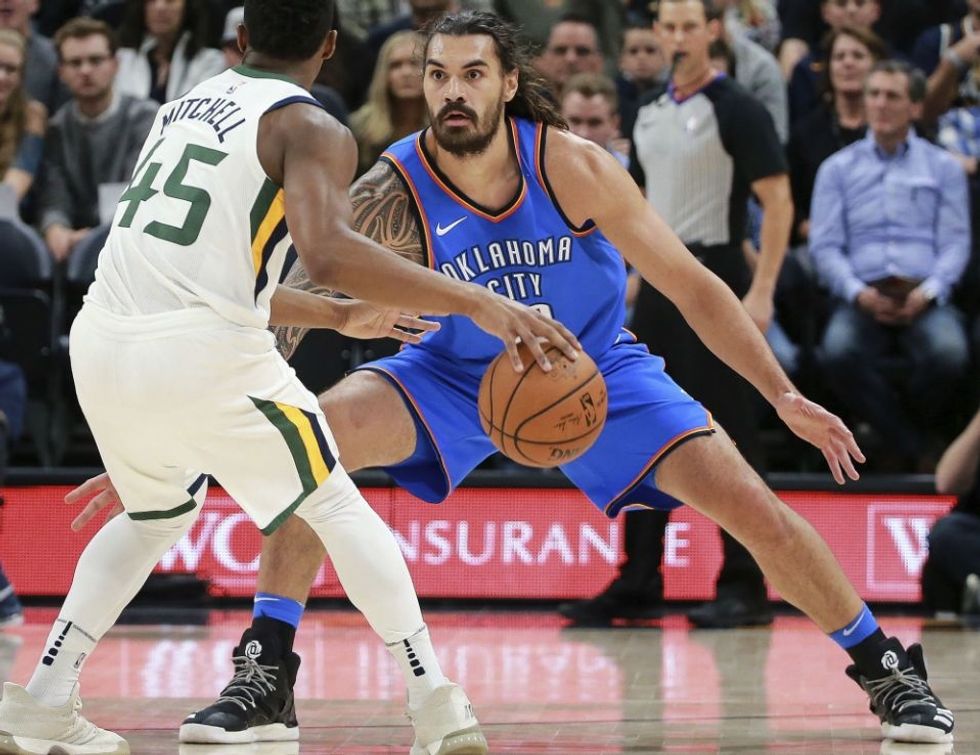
[[288, 29]]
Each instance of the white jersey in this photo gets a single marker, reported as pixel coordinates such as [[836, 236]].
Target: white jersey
[[201, 226]]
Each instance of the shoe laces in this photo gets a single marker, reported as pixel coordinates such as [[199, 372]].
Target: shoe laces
[[899, 690], [252, 680]]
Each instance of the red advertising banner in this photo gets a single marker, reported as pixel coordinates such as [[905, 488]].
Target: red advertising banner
[[495, 543]]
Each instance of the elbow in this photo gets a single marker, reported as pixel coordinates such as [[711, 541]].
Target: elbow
[[321, 271]]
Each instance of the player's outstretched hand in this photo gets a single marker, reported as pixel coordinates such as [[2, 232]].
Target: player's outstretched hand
[[367, 321], [103, 495], [514, 323], [826, 431]]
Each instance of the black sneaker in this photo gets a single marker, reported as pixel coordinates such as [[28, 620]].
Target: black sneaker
[[907, 707], [605, 607], [257, 705], [730, 612]]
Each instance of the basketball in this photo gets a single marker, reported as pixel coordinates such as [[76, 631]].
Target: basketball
[[543, 419]]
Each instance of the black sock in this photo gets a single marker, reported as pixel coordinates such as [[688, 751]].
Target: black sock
[[285, 633], [868, 653]]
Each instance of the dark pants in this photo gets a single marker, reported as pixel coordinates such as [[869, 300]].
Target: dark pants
[[730, 399], [900, 379], [954, 553]]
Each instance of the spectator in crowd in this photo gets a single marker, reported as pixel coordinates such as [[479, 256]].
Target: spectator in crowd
[[838, 121], [421, 12], [395, 107], [755, 20], [535, 18], [22, 121], [13, 402], [949, 54], [93, 140], [699, 151], [360, 16], [229, 37], [951, 574], [890, 236], [804, 83], [573, 47], [41, 70], [591, 107], [163, 53], [642, 68]]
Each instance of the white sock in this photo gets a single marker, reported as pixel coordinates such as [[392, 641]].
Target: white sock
[[65, 652], [110, 571], [419, 665]]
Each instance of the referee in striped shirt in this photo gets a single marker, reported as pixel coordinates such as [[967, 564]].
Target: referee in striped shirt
[[701, 148]]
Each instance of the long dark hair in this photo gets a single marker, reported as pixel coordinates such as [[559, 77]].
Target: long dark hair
[[196, 20], [533, 99]]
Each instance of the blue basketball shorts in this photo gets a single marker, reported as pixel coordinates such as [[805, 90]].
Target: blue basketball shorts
[[649, 415]]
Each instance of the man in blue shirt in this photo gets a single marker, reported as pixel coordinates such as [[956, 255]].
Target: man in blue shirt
[[890, 237]]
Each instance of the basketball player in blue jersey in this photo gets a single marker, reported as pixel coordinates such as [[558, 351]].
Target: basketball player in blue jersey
[[497, 192]]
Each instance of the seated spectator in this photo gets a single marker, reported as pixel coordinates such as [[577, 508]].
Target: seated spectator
[[755, 20], [948, 53], [41, 69], [421, 13], [163, 53], [93, 140], [642, 69], [535, 18], [890, 236], [395, 107], [360, 16], [591, 107], [954, 541], [573, 47], [804, 83], [22, 121], [838, 121]]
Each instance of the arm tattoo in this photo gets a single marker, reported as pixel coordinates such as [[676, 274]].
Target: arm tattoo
[[383, 212]]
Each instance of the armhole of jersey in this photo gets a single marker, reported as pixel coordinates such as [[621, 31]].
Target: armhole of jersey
[[292, 101], [414, 204], [589, 225]]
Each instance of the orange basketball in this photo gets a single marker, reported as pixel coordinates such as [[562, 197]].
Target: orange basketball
[[543, 419]]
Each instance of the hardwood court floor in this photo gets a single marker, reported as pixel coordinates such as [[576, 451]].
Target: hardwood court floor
[[537, 688]]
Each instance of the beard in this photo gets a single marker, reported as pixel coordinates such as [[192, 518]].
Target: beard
[[472, 139]]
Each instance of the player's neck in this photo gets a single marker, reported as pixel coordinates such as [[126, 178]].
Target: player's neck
[[486, 177], [303, 73]]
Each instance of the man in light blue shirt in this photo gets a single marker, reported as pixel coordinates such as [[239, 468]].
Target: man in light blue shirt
[[890, 237]]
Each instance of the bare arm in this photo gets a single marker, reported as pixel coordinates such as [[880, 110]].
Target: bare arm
[[775, 197], [382, 211], [957, 470], [592, 185], [313, 158]]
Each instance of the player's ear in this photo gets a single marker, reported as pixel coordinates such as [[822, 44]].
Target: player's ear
[[511, 82], [330, 45]]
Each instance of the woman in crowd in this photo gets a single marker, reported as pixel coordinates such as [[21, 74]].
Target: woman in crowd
[[840, 119], [22, 121], [394, 107], [164, 53]]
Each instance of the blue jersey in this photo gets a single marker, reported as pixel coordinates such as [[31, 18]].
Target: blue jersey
[[528, 250]]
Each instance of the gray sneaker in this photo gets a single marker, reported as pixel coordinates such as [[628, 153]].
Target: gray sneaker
[[29, 728], [445, 724]]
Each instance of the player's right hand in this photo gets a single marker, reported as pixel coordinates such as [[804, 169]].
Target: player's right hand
[[515, 323], [103, 494]]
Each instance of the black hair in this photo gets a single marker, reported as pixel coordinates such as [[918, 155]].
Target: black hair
[[196, 20], [533, 99], [288, 29]]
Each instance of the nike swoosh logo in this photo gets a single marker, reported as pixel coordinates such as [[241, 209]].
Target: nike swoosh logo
[[850, 630], [440, 231]]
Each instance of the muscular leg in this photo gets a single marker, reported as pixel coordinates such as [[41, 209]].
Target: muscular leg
[[373, 428], [710, 475]]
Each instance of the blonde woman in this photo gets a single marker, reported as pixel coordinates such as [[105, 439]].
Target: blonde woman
[[394, 107], [22, 121]]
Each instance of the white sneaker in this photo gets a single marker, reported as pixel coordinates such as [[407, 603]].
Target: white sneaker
[[29, 728], [446, 724]]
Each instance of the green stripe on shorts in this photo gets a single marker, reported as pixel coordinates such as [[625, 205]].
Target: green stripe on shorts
[[294, 442], [140, 516]]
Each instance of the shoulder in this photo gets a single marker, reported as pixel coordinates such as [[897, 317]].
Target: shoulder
[[126, 56], [572, 163], [209, 57], [734, 104], [938, 157], [844, 158], [140, 106]]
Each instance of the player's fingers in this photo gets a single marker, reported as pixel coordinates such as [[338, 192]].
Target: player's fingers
[[87, 513], [515, 358], [404, 336], [88, 488], [834, 466], [417, 323], [563, 338], [534, 344]]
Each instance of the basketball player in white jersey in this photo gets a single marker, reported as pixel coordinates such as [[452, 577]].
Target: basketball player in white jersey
[[178, 375]]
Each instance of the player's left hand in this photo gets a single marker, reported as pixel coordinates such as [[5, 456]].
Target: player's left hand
[[367, 321], [826, 431], [760, 308], [103, 494]]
